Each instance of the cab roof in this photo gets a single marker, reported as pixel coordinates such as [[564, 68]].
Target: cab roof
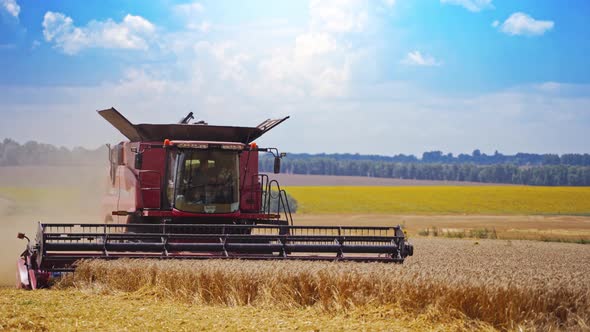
[[146, 132]]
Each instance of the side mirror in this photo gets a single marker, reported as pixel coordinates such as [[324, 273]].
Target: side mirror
[[23, 236], [138, 160], [277, 168]]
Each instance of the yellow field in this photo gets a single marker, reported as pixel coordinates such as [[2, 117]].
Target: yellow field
[[480, 200]]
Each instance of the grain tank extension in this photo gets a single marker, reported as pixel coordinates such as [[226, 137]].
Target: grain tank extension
[[193, 191]]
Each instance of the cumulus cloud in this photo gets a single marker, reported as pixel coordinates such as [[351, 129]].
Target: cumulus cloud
[[410, 119], [338, 15], [134, 32], [191, 14], [416, 58], [11, 7], [308, 72], [522, 24], [189, 9], [230, 63], [310, 44], [204, 26], [471, 5], [316, 62]]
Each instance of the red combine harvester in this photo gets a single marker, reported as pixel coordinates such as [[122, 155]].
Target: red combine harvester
[[193, 191]]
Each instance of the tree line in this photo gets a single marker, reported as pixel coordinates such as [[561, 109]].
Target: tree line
[[33, 153], [476, 157], [539, 175], [521, 168]]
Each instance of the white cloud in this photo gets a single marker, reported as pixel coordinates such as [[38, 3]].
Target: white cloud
[[495, 23], [416, 58], [389, 3], [11, 7], [204, 26], [331, 82], [338, 15], [550, 86], [310, 44], [523, 24], [314, 63], [319, 64], [230, 62], [411, 119], [471, 5], [189, 9], [191, 14], [274, 60], [250, 73], [134, 32]]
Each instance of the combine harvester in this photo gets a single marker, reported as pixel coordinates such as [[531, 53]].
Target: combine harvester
[[193, 191]]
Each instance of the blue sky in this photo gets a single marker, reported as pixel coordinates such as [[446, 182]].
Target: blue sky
[[385, 77]]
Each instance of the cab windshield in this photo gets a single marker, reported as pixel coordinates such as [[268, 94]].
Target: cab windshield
[[203, 181]]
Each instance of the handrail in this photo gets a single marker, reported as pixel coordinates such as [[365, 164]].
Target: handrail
[[264, 180], [282, 198], [290, 218]]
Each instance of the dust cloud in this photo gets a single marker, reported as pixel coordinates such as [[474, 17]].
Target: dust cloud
[[32, 194]]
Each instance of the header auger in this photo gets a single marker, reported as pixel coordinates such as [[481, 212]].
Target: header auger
[[193, 191]]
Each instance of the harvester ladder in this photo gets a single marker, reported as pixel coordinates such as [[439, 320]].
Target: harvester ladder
[[263, 180], [283, 206]]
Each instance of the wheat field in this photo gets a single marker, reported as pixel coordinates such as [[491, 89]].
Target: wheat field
[[80, 310], [501, 284], [478, 200], [449, 284]]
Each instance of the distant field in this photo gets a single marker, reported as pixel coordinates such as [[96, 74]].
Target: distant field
[[553, 228], [478, 200]]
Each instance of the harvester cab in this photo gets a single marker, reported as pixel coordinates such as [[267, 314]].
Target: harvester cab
[[191, 173], [193, 191]]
